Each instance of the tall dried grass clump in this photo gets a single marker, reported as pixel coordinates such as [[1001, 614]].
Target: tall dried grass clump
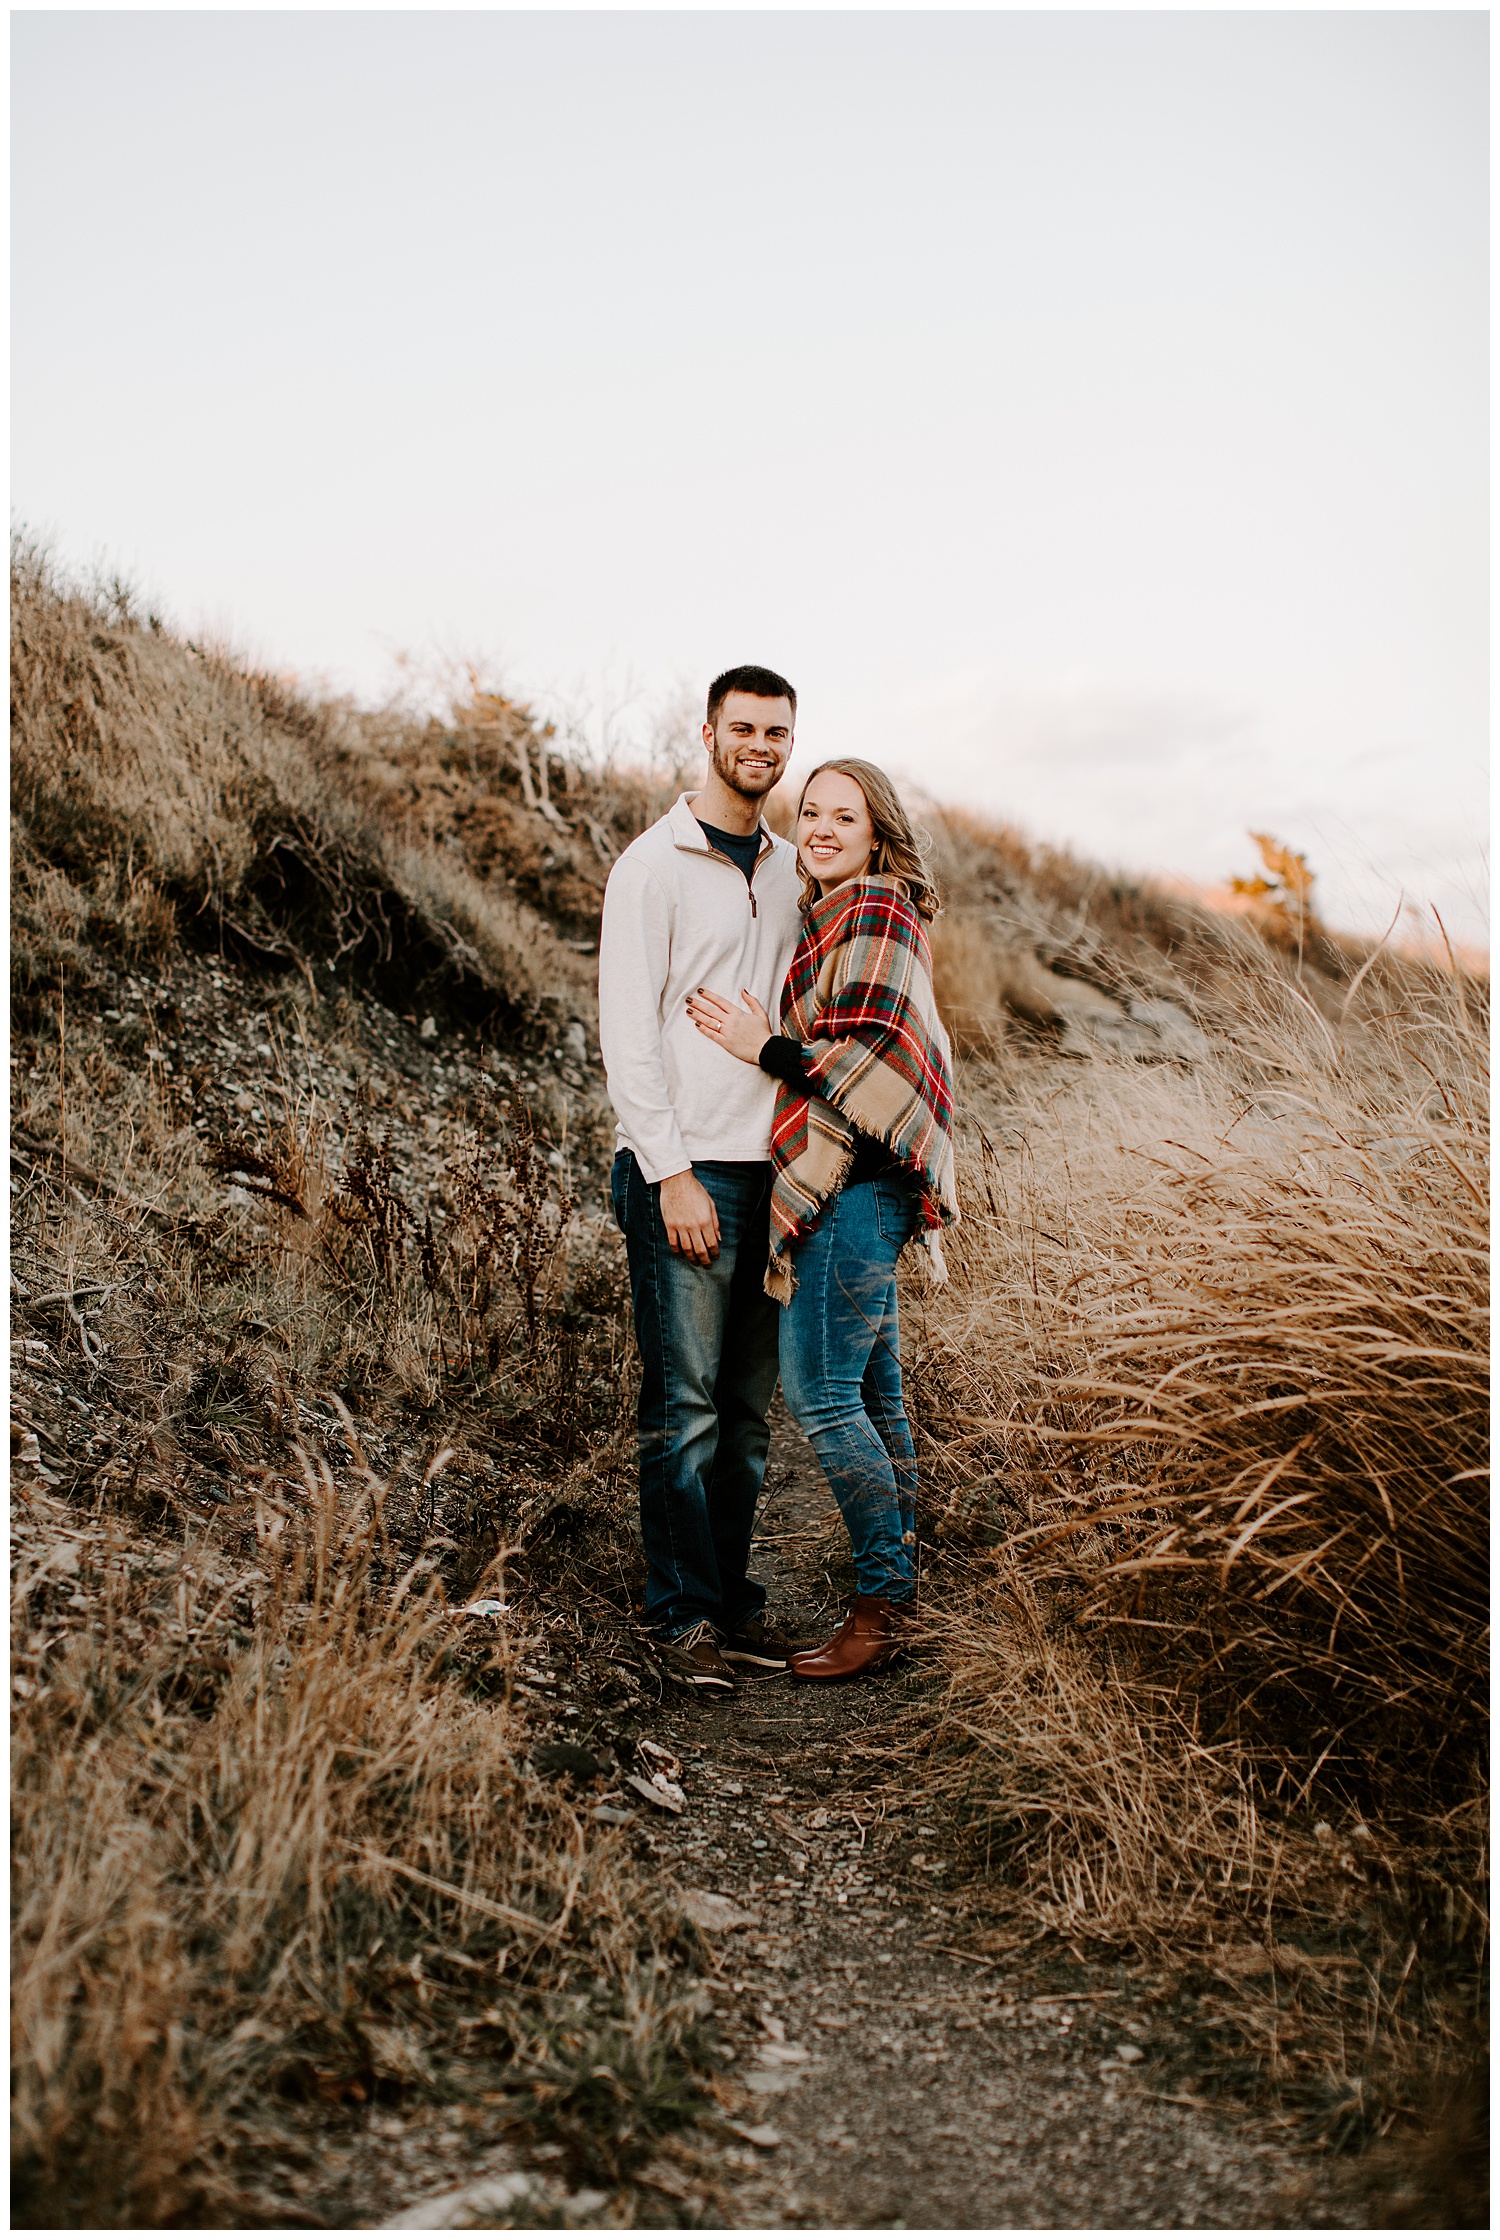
[[275, 1853], [1285, 1383], [1104, 1798], [1206, 1408]]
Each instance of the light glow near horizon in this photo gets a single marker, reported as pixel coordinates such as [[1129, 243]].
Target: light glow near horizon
[[1088, 412]]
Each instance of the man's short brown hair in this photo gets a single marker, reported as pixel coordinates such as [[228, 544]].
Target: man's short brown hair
[[764, 684]]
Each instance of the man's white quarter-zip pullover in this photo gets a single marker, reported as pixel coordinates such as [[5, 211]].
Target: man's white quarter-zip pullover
[[680, 916]]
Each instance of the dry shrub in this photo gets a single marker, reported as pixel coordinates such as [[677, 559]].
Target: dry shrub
[[156, 781], [269, 1850]]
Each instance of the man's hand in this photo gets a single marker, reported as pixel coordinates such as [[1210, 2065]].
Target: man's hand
[[691, 1218]]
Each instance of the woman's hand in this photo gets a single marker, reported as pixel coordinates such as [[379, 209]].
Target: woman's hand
[[744, 1034]]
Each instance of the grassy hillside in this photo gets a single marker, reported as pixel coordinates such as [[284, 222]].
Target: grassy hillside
[[321, 1336]]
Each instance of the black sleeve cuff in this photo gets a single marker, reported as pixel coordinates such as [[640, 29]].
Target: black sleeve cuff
[[783, 1056]]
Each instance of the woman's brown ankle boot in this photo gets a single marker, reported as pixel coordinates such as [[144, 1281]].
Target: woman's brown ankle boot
[[866, 1639]]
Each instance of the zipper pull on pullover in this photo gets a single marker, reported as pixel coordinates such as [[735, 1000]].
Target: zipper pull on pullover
[[748, 877]]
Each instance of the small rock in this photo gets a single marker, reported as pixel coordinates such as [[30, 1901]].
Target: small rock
[[1082, 1004], [1127, 2052], [658, 1791], [662, 1759], [758, 2134], [428, 1030], [469, 2205], [485, 1607], [1179, 1035], [709, 1909], [611, 1816], [567, 1757], [24, 1447], [770, 2080]]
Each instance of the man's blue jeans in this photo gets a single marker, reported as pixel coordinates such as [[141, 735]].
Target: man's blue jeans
[[708, 1358], [841, 1373]]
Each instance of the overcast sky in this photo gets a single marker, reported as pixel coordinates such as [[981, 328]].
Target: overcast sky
[[1087, 412]]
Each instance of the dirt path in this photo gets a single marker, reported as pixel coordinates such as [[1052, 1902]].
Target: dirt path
[[871, 2077], [908, 2087]]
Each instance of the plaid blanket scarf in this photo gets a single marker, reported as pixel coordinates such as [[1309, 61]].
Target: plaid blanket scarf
[[859, 998]]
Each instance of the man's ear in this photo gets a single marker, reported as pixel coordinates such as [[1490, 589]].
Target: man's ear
[[708, 738]]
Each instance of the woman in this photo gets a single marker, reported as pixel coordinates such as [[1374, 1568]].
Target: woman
[[862, 1160]]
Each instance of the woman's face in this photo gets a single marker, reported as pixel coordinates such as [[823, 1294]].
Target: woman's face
[[835, 835]]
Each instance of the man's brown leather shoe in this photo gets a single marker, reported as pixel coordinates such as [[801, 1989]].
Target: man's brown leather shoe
[[867, 1639]]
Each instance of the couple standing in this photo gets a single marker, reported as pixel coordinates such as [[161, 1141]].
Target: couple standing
[[766, 1182]]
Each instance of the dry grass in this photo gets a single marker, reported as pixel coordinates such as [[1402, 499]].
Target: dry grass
[[1200, 1411], [278, 1851], [159, 785], [1248, 1307], [1209, 1390], [270, 1849]]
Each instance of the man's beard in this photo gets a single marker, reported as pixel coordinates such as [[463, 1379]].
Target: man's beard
[[750, 785]]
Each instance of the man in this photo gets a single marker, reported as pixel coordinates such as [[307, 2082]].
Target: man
[[708, 897]]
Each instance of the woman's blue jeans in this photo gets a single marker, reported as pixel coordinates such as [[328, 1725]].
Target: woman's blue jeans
[[841, 1373], [708, 1373]]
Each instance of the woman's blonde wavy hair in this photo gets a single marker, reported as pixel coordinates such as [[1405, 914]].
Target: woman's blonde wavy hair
[[899, 848]]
